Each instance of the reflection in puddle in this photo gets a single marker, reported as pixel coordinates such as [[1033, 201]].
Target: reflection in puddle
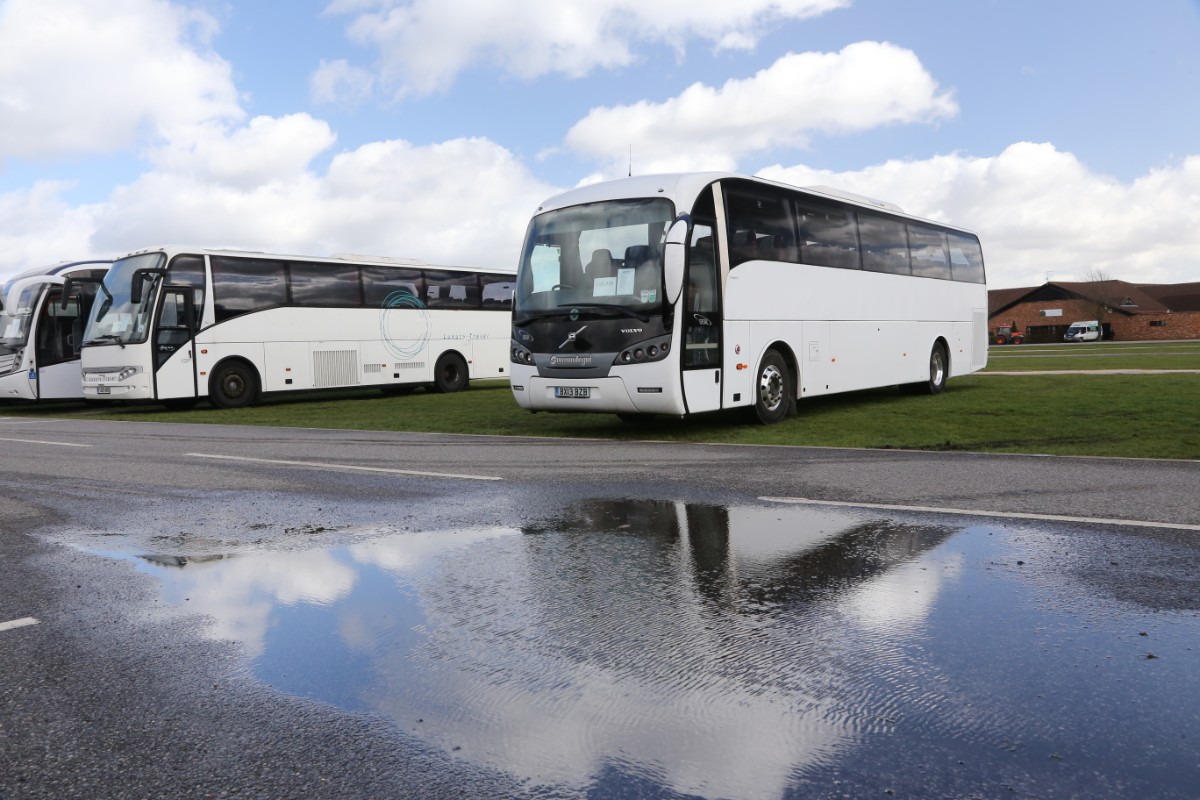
[[721, 652]]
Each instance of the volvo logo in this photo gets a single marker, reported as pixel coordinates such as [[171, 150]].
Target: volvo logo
[[572, 336], [574, 315]]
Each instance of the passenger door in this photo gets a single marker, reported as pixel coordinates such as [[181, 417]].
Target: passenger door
[[175, 344], [701, 308]]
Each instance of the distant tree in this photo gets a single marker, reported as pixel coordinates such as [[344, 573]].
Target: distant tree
[[1096, 291]]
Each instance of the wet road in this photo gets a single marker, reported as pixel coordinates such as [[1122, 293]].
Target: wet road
[[273, 613]]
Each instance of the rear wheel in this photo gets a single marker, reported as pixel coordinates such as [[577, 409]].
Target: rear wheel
[[773, 394], [233, 385], [939, 368], [450, 374]]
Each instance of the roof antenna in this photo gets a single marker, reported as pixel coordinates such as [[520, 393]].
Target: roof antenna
[[630, 161]]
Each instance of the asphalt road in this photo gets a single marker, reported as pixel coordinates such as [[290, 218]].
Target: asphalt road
[[119, 689]]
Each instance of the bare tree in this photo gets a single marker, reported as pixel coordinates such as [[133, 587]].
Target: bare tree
[[1096, 291]]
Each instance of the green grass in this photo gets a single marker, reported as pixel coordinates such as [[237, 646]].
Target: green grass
[[1094, 356], [1144, 416]]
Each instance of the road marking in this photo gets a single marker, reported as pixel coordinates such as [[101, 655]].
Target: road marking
[[319, 465], [18, 623], [39, 441], [968, 512]]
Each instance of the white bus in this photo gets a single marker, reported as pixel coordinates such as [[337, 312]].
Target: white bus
[[42, 314], [678, 294], [177, 324]]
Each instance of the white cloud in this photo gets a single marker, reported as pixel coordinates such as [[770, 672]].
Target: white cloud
[[865, 85], [1039, 210], [41, 228], [424, 44], [80, 77], [339, 82], [464, 201]]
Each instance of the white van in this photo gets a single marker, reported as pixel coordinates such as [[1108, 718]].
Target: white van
[[1087, 331]]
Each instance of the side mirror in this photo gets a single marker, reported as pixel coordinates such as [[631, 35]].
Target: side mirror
[[68, 287], [675, 257], [135, 286]]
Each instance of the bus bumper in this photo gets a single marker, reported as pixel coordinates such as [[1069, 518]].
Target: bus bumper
[[608, 395]]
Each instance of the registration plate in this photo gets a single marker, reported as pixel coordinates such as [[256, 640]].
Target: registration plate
[[580, 392], [103, 390]]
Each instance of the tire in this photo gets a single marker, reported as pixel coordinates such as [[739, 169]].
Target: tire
[[450, 374], [773, 395], [939, 371], [233, 385]]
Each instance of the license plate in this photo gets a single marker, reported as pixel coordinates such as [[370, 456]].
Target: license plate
[[580, 392], [103, 390]]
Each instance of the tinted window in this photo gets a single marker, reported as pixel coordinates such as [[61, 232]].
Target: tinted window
[[387, 287], [315, 284], [929, 256], [884, 244], [760, 226], [828, 236], [452, 290], [966, 258], [247, 284], [498, 291], [189, 271]]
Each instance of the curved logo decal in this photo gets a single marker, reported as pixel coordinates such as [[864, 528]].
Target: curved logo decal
[[414, 323]]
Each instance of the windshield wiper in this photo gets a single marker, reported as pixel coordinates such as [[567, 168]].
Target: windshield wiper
[[115, 337], [610, 307], [521, 323]]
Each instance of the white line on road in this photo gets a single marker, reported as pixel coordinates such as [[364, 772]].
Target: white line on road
[[18, 623], [977, 513], [39, 441], [319, 465]]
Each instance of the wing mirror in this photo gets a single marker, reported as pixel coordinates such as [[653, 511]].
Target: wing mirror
[[675, 257]]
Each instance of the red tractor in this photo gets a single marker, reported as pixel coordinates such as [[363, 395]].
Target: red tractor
[[1008, 334]]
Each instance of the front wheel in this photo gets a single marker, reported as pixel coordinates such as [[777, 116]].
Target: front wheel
[[233, 385], [773, 396], [450, 374]]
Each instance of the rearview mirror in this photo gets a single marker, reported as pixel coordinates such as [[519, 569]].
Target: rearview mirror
[[675, 257]]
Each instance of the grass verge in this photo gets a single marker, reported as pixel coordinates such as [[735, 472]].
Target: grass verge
[[1140, 416]]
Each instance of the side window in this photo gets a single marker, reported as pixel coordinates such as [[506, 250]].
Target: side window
[[702, 333], [930, 257], [247, 284], [828, 235], [189, 271], [884, 244], [760, 226], [966, 258], [497, 291], [452, 290], [325, 284], [391, 287]]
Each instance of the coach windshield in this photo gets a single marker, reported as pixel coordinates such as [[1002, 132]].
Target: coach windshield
[[116, 318], [596, 258]]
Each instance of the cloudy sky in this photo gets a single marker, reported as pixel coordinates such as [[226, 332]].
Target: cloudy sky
[[1067, 133]]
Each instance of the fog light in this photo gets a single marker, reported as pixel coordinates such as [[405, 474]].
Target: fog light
[[626, 357], [652, 350], [639, 354]]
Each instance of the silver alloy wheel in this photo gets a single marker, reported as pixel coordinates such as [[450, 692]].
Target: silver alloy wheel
[[937, 367], [770, 387]]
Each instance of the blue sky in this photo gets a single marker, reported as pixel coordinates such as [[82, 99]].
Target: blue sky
[[1067, 134]]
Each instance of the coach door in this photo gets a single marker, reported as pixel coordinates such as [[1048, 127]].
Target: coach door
[[175, 345], [702, 324]]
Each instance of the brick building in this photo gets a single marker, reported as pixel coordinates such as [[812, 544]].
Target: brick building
[[1128, 311]]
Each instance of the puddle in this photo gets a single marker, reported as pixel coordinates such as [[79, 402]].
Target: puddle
[[668, 649]]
